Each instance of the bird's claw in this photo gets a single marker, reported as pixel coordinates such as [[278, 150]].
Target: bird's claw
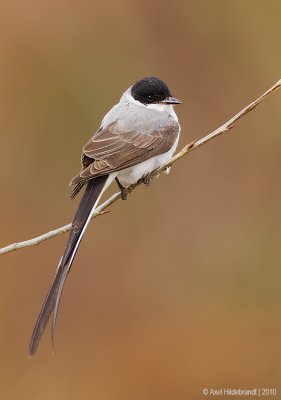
[[146, 180], [124, 193]]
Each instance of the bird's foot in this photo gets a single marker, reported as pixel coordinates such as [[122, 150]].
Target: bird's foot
[[124, 194], [146, 180], [123, 191], [167, 170]]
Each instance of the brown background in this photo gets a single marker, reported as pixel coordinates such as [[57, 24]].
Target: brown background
[[179, 288]]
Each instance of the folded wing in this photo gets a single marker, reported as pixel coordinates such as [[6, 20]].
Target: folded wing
[[110, 150]]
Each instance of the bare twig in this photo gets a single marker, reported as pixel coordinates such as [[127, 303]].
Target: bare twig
[[185, 150]]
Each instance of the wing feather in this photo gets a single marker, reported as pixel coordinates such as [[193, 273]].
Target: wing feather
[[110, 150]]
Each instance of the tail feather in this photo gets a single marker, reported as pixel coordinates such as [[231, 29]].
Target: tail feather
[[88, 202]]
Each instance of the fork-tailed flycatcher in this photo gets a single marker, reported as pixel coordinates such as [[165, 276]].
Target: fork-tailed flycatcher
[[137, 136]]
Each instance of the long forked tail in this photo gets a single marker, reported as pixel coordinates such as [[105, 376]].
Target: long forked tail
[[82, 217]]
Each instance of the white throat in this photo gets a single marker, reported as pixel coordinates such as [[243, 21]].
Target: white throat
[[168, 108], [163, 108], [160, 107]]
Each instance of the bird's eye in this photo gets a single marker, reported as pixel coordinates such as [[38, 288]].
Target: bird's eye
[[150, 99]]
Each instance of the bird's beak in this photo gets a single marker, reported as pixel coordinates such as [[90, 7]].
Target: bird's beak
[[171, 100]]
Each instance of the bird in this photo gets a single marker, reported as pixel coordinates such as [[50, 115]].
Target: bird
[[137, 136]]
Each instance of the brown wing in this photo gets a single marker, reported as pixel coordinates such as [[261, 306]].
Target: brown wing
[[109, 150]]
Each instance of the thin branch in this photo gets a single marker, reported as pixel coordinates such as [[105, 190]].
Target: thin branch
[[185, 150]]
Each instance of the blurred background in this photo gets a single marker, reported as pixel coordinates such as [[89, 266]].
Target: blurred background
[[179, 288]]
